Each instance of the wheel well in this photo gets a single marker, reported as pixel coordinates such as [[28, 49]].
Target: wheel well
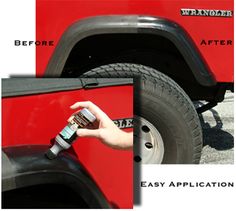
[[43, 196], [27, 166], [151, 50]]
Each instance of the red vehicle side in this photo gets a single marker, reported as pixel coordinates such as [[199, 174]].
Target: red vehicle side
[[182, 49], [54, 17]]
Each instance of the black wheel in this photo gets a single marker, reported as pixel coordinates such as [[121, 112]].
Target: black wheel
[[168, 126]]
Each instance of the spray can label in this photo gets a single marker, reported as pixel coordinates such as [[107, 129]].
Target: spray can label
[[68, 133]]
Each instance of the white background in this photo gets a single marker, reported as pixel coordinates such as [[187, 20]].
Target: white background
[[18, 22], [17, 18], [188, 198]]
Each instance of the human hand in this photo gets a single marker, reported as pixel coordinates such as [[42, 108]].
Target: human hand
[[106, 129]]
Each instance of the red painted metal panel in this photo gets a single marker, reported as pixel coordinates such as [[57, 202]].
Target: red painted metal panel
[[53, 17]]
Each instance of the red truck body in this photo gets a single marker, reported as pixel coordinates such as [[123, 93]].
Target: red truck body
[[211, 37], [54, 17], [36, 119]]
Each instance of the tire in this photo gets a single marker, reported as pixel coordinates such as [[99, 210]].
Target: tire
[[169, 129]]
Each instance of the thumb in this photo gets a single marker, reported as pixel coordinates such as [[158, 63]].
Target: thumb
[[88, 133]]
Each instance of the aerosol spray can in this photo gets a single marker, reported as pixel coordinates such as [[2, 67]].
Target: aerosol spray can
[[66, 137]]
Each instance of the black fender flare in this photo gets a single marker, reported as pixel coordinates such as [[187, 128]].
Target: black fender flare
[[130, 24], [24, 166]]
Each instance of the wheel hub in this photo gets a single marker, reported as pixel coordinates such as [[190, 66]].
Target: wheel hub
[[148, 144]]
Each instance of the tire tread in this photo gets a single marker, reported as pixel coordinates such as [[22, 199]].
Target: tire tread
[[155, 80]]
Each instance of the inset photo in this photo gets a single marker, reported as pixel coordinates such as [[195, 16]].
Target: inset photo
[[67, 143]]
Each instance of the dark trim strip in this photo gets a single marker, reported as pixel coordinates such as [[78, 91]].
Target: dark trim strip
[[130, 24], [27, 86]]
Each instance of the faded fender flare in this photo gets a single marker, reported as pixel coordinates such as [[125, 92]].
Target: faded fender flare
[[130, 24], [24, 166]]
